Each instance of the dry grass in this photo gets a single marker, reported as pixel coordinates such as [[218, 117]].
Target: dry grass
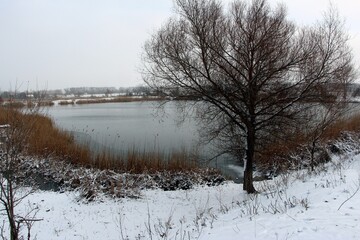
[[351, 124], [44, 138], [135, 161], [47, 140], [277, 151]]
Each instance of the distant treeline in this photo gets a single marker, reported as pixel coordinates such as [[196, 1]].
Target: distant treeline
[[78, 91], [353, 90]]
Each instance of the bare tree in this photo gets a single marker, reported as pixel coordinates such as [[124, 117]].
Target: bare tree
[[250, 69]]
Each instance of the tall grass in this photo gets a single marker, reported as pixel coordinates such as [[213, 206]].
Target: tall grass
[[350, 124], [281, 149], [136, 161], [47, 140]]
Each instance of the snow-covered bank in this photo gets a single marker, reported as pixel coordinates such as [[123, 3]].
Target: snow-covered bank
[[64, 217], [321, 206], [296, 205]]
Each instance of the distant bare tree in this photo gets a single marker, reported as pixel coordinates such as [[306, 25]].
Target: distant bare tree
[[251, 70]]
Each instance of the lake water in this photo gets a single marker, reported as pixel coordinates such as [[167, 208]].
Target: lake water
[[122, 126]]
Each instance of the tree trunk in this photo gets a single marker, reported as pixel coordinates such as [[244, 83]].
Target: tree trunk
[[14, 232], [248, 173], [312, 155]]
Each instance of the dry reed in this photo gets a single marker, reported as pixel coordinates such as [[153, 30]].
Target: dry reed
[[281, 149]]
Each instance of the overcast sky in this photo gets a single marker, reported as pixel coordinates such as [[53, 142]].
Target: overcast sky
[[52, 44]]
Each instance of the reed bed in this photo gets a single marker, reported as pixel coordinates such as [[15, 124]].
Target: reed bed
[[282, 149], [136, 161], [351, 124]]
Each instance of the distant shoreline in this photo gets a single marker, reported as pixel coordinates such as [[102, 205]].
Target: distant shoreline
[[79, 101]]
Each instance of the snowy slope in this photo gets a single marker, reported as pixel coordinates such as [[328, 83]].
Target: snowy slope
[[312, 211], [296, 205]]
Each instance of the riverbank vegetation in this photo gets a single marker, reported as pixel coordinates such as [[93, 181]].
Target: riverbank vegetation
[[294, 152]]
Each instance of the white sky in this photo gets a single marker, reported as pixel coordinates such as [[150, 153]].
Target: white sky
[[50, 44]]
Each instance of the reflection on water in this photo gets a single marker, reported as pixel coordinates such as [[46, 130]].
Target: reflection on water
[[121, 126]]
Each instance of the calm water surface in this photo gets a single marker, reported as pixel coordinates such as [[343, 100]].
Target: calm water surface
[[122, 126]]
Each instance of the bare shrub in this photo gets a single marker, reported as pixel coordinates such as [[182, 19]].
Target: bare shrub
[[13, 190]]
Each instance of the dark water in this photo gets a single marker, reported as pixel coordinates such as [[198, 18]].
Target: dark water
[[122, 126]]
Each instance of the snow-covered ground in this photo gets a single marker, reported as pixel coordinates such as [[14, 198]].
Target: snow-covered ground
[[296, 205]]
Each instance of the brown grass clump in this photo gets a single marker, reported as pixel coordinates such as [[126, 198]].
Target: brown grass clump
[[135, 161], [277, 151], [351, 124]]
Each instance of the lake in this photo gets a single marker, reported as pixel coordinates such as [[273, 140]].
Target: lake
[[118, 127], [122, 126]]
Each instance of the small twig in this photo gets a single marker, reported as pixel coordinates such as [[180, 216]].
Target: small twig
[[291, 217], [357, 189], [30, 220]]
